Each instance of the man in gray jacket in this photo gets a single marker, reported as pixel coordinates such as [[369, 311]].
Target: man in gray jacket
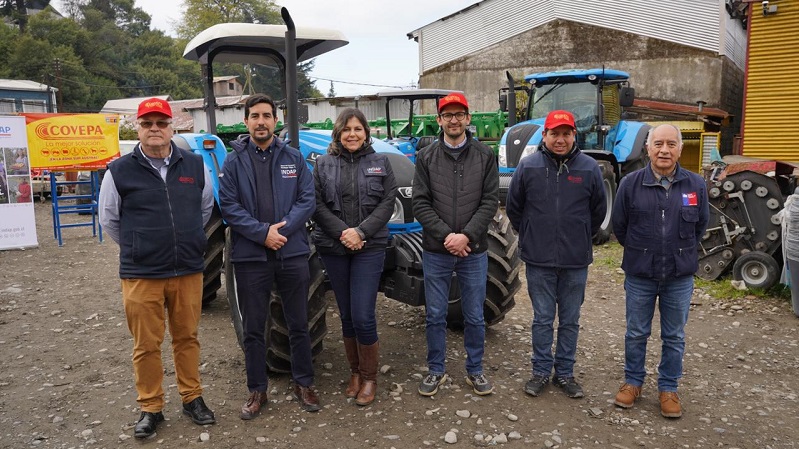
[[455, 197]]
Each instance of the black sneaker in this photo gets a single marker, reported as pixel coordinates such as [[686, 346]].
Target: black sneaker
[[536, 385], [480, 383], [430, 384], [569, 385]]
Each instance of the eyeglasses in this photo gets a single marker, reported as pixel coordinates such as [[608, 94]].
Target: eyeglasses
[[447, 116], [160, 123]]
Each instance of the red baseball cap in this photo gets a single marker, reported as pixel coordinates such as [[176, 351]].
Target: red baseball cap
[[559, 118], [154, 105], [453, 98]]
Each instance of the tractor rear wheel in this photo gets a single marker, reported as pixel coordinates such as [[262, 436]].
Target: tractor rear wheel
[[278, 349], [212, 274], [609, 182], [502, 283]]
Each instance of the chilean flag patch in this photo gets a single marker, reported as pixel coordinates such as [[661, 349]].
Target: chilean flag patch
[[689, 199]]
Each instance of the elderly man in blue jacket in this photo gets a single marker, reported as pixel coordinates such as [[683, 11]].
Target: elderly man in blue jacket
[[659, 217], [267, 195], [557, 203]]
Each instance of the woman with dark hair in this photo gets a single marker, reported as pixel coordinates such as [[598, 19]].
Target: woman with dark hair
[[355, 192]]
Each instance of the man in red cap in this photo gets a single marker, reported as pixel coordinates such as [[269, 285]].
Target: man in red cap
[[455, 197], [155, 202], [556, 202]]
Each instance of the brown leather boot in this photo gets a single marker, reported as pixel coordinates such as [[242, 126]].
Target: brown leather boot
[[367, 355], [670, 404], [354, 386], [252, 407], [627, 395]]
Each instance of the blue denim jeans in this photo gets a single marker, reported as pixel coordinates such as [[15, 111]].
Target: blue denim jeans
[[471, 272], [674, 300], [355, 279], [553, 291]]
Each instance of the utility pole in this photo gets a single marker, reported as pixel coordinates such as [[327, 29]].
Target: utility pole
[[58, 81]]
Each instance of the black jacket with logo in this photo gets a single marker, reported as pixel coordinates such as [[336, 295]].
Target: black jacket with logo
[[455, 195], [353, 190]]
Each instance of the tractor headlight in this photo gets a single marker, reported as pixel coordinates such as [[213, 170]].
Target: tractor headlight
[[398, 216], [405, 192], [528, 150], [503, 155]]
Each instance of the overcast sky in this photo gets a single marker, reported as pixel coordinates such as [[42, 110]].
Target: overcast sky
[[379, 56]]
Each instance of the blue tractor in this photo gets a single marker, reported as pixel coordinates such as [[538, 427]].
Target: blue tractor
[[596, 98], [282, 47]]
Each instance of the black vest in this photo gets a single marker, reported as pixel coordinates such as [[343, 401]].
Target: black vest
[[161, 227]]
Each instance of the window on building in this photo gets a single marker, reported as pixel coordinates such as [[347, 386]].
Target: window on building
[[231, 87], [33, 106], [7, 106]]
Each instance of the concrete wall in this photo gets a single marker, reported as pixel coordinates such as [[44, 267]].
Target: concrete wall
[[659, 70]]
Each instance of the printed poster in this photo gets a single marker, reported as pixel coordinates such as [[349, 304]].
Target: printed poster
[[17, 218], [66, 142]]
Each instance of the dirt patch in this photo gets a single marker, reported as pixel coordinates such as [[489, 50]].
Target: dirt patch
[[67, 381]]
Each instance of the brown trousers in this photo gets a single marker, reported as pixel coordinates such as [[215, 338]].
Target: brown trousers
[[146, 301]]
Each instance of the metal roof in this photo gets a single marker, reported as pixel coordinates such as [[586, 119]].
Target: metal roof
[[26, 85], [417, 94], [258, 43]]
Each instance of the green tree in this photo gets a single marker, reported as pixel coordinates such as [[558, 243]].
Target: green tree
[[332, 92]]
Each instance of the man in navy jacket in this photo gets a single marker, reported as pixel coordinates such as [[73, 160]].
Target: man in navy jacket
[[267, 195], [556, 202], [659, 217]]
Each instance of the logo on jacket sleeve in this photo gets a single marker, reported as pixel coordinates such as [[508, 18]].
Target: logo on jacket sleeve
[[288, 171], [689, 199], [374, 170]]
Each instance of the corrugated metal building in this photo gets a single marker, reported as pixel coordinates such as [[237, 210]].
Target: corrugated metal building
[[678, 51], [771, 104]]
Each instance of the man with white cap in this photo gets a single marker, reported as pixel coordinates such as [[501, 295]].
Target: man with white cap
[[556, 202], [155, 202]]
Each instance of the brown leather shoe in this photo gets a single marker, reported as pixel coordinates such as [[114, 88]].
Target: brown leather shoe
[[670, 404], [252, 407], [368, 356], [307, 398], [354, 385], [627, 395]]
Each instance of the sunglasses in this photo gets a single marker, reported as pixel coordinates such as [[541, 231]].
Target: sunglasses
[[160, 123]]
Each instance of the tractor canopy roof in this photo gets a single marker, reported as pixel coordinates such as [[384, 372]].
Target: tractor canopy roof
[[576, 76], [251, 43], [416, 94]]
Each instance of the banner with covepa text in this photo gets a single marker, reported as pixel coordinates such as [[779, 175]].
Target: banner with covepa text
[[72, 141], [17, 218]]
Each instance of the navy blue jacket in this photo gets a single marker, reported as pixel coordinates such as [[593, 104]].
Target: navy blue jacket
[[366, 179], [160, 222], [660, 229], [293, 196], [557, 208]]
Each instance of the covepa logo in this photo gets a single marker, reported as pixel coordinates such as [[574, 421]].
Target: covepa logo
[[50, 131], [5, 131]]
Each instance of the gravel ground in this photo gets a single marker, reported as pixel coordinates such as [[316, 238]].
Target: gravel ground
[[67, 381]]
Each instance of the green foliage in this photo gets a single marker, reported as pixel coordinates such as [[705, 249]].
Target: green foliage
[[105, 49]]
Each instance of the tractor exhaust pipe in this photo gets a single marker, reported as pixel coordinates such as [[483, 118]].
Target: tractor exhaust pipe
[[511, 100], [292, 112]]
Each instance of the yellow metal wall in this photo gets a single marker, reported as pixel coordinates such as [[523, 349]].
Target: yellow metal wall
[[771, 114]]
